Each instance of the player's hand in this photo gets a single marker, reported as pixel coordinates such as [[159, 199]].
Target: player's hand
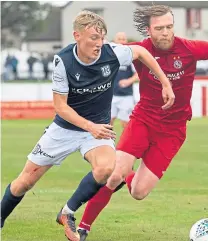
[[101, 131], [168, 97], [124, 83]]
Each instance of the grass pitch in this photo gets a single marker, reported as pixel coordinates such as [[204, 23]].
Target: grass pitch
[[167, 214]]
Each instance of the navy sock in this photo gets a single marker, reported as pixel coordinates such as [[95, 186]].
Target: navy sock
[[8, 203], [87, 188]]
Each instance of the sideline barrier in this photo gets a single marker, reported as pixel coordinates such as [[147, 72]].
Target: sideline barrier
[[35, 102], [27, 110]]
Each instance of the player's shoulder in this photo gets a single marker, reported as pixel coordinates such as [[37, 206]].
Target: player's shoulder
[[66, 50], [179, 39], [111, 45], [184, 44], [108, 46], [182, 41], [144, 43], [111, 48], [64, 56], [122, 53]]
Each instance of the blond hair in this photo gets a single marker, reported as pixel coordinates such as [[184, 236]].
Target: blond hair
[[87, 19], [142, 16]]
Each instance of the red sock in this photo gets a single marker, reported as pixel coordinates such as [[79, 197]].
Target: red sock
[[95, 206], [128, 180]]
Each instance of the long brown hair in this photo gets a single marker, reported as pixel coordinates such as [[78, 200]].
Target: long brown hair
[[142, 16]]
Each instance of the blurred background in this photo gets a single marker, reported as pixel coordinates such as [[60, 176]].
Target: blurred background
[[33, 31]]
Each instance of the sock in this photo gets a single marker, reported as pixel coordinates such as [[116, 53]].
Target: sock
[[66, 210], [87, 188], [94, 207], [119, 186], [129, 179], [8, 203]]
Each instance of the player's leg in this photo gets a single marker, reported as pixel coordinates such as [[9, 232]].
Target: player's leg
[[30, 174], [156, 160], [17, 189], [124, 163], [123, 115], [50, 150], [133, 142], [101, 155], [102, 159], [142, 182]]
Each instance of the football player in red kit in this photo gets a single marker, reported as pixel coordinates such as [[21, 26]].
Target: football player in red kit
[[153, 134]]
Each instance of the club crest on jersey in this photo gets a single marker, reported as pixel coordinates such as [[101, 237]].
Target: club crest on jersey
[[106, 71], [177, 64]]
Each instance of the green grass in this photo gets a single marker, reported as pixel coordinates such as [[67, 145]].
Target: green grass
[[167, 214]]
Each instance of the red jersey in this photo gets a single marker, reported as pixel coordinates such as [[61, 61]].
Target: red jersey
[[179, 65]]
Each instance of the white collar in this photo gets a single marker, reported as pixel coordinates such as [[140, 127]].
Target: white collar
[[77, 58]]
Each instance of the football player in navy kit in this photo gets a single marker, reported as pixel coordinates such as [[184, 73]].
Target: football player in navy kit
[[82, 79]]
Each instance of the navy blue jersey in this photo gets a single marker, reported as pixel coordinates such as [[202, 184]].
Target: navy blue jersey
[[125, 72], [89, 86]]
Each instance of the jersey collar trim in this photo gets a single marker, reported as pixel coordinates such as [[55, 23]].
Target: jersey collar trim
[[82, 63]]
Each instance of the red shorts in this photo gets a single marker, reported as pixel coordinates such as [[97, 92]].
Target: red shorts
[[156, 147]]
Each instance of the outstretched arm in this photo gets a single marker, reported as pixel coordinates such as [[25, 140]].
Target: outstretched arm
[[145, 57]]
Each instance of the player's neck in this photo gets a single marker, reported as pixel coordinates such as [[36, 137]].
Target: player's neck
[[83, 58]]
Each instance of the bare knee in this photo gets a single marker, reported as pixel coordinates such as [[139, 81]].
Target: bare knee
[[139, 194], [21, 185], [102, 173], [114, 180], [27, 178], [27, 184]]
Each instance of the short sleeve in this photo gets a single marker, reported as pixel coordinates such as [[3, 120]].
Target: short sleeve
[[198, 48], [59, 78], [123, 53]]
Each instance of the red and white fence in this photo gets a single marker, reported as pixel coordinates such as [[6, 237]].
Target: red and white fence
[[34, 100], [199, 100]]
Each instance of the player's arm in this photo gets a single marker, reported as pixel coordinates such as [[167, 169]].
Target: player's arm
[[146, 58], [99, 131], [68, 113], [60, 95], [126, 54]]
